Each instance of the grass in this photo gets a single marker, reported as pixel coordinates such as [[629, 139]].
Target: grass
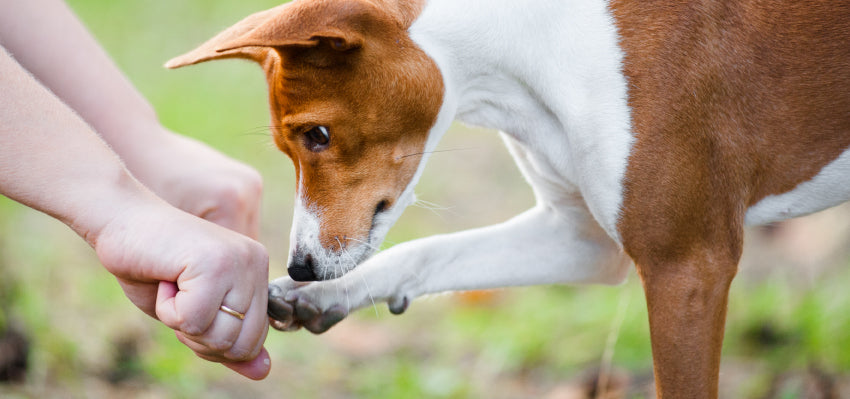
[[90, 342]]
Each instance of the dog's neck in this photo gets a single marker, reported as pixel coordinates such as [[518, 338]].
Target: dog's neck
[[538, 72]]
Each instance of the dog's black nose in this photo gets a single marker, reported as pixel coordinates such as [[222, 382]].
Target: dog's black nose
[[302, 271]]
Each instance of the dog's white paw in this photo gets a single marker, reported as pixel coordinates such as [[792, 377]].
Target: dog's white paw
[[317, 306], [293, 305]]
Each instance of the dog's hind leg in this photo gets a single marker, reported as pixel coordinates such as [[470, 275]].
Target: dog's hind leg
[[540, 246]]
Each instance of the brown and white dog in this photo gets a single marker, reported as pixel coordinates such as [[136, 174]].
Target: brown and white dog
[[651, 131]]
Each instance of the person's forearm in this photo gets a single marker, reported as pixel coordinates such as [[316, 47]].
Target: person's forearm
[[48, 40], [52, 161]]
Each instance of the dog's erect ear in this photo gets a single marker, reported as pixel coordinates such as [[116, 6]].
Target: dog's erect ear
[[208, 51], [299, 24]]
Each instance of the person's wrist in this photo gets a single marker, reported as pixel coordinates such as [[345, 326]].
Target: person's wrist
[[106, 201], [135, 133], [142, 148]]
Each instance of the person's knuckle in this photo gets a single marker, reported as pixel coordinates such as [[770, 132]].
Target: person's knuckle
[[252, 254], [254, 182], [243, 191], [209, 357], [222, 259], [240, 352], [191, 328], [231, 196], [220, 345], [260, 257], [187, 325]]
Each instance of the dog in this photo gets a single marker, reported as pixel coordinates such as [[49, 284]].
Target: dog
[[650, 131]]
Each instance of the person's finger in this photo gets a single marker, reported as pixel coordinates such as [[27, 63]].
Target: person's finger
[[231, 339], [143, 295], [230, 336], [201, 349], [189, 308], [224, 354], [164, 309], [254, 327], [219, 338], [255, 369], [199, 300]]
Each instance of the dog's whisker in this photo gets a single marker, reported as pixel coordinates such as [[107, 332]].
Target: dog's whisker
[[414, 274], [369, 292], [366, 284], [432, 207], [257, 133], [345, 291], [364, 243], [434, 152], [373, 246], [264, 130], [338, 271], [336, 276]]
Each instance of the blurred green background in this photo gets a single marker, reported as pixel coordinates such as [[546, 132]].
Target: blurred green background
[[788, 330]]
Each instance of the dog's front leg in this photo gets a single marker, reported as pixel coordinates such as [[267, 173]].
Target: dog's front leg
[[540, 246]]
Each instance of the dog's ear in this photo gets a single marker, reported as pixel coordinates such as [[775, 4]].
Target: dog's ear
[[209, 50], [302, 24]]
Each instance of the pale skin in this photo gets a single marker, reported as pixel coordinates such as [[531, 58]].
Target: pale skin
[[86, 148]]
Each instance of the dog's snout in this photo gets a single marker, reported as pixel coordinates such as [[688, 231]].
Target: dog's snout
[[303, 269]]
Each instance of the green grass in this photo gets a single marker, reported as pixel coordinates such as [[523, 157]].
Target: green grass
[[521, 343]]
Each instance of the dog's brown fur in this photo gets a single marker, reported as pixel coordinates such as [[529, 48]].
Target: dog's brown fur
[[352, 68], [731, 101]]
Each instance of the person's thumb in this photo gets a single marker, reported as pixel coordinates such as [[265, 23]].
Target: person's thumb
[[166, 309]]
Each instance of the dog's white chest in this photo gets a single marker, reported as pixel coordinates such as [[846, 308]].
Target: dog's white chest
[[549, 75]]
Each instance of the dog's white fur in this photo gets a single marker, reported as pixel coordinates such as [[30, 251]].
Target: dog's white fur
[[828, 188], [549, 75], [577, 92]]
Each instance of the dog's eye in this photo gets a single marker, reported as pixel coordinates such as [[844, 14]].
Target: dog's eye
[[318, 138]]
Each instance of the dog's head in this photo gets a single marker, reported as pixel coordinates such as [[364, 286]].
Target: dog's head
[[353, 100]]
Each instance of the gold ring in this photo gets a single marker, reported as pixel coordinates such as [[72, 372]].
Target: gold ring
[[225, 309]]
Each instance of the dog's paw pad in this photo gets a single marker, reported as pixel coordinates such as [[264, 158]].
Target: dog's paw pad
[[292, 306], [281, 314], [399, 305], [280, 309], [326, 320], [304, 310], [334, 315]]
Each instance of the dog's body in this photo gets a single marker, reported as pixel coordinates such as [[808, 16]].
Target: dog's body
[[650, 131]]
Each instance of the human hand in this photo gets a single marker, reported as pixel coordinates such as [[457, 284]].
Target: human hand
[[180, 269], [199, 180], [175, 267]]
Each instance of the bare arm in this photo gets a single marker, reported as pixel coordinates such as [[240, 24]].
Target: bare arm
[[46, 38], [173, 266], [51, 160], [48, 41]]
